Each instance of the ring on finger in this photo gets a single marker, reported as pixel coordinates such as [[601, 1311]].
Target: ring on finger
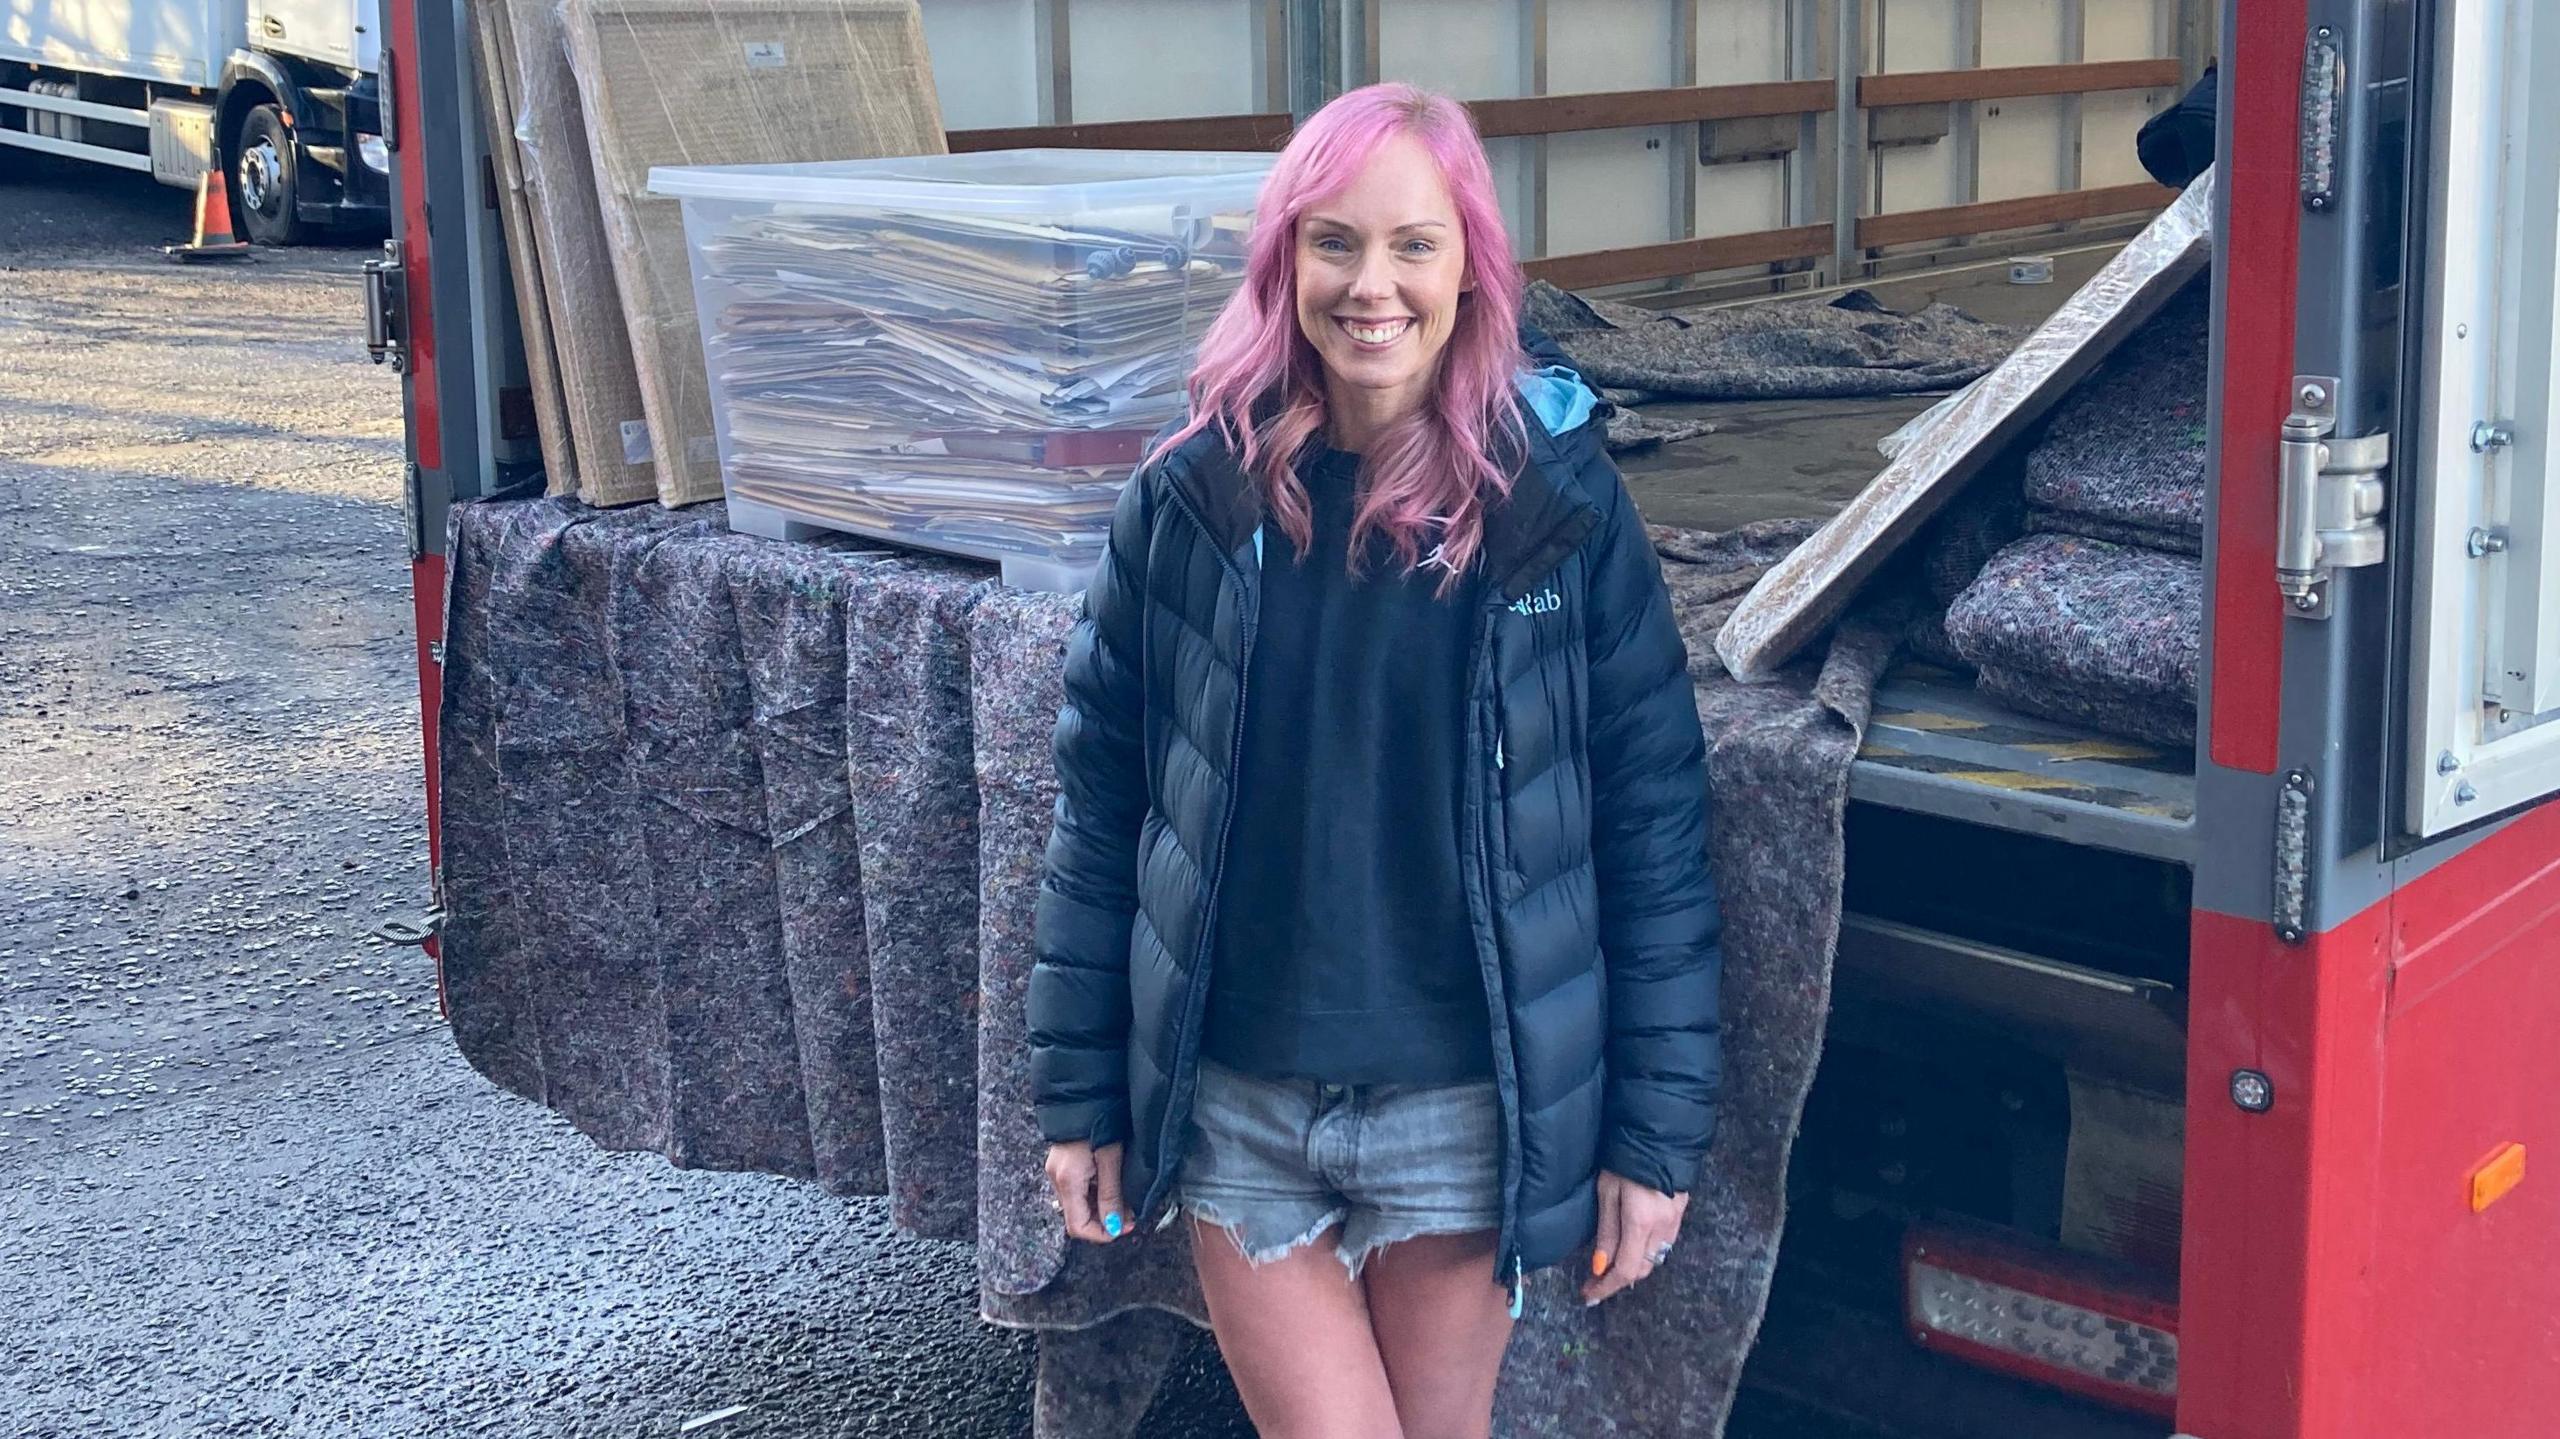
[[1661, 1252]]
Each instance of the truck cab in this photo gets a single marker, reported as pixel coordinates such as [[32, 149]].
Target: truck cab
[[2164, 1087], [282, 95]]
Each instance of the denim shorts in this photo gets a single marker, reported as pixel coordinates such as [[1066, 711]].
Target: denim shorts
[[1275, 1163]]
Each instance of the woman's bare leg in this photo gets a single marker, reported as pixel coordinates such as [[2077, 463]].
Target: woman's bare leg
[[1441, 1324], [1295, 1334]]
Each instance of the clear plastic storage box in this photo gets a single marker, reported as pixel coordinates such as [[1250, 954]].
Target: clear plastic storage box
[[960, 352]]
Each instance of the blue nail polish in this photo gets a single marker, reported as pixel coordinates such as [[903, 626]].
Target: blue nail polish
[[1111, 1224]]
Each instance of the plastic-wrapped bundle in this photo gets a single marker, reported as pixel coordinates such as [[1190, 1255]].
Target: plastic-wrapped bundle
[[2123, 458], [2082, 630]]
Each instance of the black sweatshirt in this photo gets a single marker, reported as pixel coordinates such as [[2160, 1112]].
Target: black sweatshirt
[[1343, 948]]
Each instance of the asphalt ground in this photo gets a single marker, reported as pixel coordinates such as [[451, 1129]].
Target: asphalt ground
[[247, 1187]]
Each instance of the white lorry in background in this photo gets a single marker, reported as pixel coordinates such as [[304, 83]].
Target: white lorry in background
[[283, 91]]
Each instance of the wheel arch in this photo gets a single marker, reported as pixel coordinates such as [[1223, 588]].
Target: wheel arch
[[250, 80]]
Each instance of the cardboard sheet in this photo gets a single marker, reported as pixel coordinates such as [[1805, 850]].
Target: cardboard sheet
[[1804, 593], [544, 141], [524, 263], [726, 82]]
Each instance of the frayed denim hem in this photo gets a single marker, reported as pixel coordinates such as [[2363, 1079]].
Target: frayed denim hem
[[1354, 1259], [1207, 1212]]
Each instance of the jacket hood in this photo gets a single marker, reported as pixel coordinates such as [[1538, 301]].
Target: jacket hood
[[1548, 513]]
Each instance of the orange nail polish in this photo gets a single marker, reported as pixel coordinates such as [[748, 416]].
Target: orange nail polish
[[1599, 1262]]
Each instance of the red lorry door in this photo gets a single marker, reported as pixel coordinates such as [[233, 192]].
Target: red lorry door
[[443, 310], [412, 254], [2374, 1020]]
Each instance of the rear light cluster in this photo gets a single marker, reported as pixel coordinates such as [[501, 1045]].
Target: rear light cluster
[[2043, 1315]]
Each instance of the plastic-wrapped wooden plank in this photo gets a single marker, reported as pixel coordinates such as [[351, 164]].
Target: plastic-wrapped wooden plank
[[726, 82], [1806, 591]]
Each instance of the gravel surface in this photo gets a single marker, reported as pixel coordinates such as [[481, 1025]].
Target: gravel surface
[[246, 1185]]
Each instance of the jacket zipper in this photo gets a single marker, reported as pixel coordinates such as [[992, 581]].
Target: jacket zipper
[[1507, 1078], [1187, 1040]]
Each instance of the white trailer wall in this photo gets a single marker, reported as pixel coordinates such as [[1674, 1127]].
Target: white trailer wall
[[177, 42], [1015, 63]]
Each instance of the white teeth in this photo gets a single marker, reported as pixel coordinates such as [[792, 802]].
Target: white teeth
[[1376, 334]]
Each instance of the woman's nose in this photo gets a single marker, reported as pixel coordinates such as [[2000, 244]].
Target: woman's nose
[[1373, 280]]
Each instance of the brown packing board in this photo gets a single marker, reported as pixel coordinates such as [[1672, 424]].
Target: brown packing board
[[533, 313], [1797, 599], [727, 82], [600, 386]]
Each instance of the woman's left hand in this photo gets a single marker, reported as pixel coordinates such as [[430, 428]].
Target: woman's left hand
[[1638, 1226]]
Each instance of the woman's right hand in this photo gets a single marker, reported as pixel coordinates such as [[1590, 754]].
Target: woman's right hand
[[1087, 1180]]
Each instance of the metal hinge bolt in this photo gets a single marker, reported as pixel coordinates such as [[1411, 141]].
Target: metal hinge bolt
[[2446, 763], [2252, 1091], [2485, 542], [2487, 435], [2463, 793]]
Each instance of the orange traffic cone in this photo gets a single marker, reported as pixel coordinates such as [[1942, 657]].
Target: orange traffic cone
[[214, 237]]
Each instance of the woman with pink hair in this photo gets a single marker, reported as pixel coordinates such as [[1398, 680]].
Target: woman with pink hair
[[1377, 936]]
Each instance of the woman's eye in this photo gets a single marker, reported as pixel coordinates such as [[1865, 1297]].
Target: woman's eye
[[1332, 245], [1418, 247]]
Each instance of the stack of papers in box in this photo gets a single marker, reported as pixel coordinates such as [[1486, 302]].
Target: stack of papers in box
[[903, 372], [963, 352]]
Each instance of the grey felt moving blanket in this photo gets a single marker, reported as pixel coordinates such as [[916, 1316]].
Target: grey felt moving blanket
[[1852, 345], [2123, 457], [2086, 631], [742, 845]]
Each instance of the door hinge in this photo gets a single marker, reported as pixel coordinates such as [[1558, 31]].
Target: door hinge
[[2329, 498], [386, 293], [2292, 912]]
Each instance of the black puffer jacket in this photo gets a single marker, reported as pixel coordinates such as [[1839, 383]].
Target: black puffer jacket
[[1586, 816]]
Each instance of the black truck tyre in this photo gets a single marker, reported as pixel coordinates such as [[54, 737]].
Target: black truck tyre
[[263, 189]]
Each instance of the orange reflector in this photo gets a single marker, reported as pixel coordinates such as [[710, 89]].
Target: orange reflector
[[2500, 1173]]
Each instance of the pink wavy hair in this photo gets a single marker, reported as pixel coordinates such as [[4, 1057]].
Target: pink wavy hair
[[1426, 479]]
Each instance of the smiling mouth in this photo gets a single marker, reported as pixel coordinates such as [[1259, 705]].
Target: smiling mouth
[[1374, 334]]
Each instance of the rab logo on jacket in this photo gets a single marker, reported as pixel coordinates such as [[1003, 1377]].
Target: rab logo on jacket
[[1545, 602]]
